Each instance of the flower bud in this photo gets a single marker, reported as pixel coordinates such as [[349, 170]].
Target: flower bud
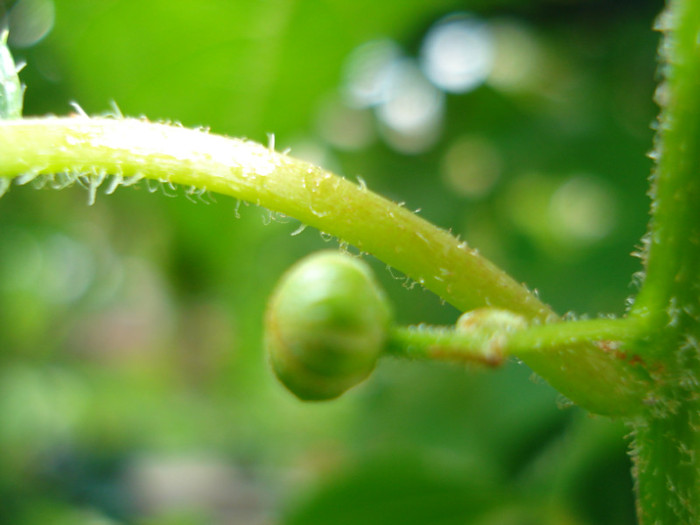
[[492, 326], [326, 325]]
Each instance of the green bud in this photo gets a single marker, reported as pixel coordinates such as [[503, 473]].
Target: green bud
[[11, 90], [491, 321], [491, 326], [326, 325]]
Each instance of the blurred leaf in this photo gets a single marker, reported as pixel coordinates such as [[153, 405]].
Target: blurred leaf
[[245, 67], [402, 489]]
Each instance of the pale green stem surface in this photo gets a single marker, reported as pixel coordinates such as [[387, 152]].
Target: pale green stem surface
[[251, 172], [666, 447]]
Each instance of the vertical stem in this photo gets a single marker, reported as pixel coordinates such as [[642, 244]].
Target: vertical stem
[[673, 250], [666, 447], [666, 465]]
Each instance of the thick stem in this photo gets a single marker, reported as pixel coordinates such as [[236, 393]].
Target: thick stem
[[597, 380], [666, 447], [256, 174], [673, 249], [665, 453]]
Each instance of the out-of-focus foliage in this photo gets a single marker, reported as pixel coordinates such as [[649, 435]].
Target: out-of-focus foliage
[[133, 388]]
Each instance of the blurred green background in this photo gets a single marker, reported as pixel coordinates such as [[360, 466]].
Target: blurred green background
[[133, 387]]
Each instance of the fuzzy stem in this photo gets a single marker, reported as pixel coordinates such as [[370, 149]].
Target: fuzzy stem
[[665, 453], [448, 344], [248, 171], [443, 344], [254, 173], [673, 251], [666, 448]]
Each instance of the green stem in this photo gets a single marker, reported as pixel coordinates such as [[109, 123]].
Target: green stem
[[442, 343], [446, 343], [665, 453], [254, 173], [666, 448], [673, 250], [615, 336], [590, 377]]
